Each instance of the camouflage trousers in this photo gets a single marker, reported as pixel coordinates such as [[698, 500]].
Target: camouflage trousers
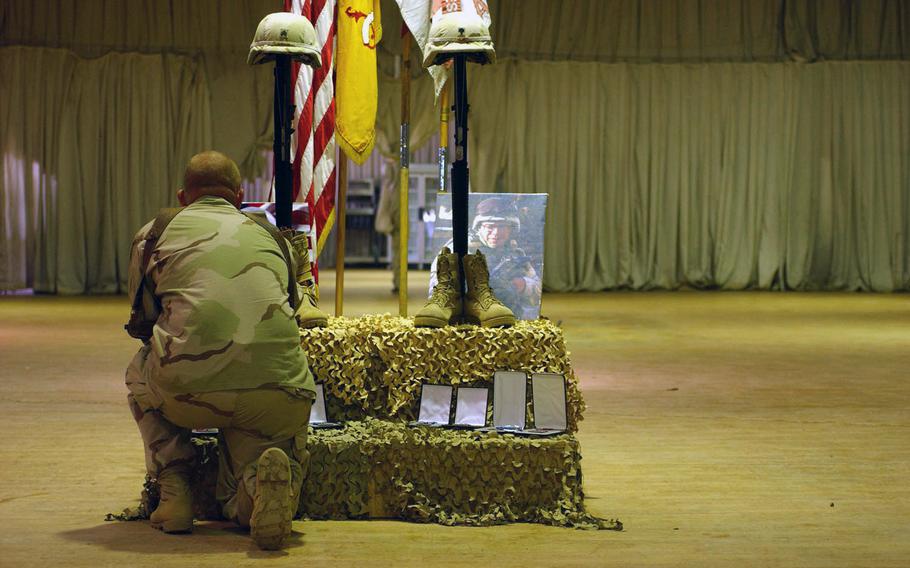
[[249, 422]]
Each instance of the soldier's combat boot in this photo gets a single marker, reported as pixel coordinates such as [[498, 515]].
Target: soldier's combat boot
[[444, 305], [480, 305], [308, 314], [175, 509], [273, 510]]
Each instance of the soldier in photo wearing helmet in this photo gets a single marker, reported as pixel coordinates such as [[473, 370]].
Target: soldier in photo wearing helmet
[[494, 232]]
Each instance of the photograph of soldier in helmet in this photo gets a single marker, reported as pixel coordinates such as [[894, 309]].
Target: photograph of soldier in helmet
[[508, 229]]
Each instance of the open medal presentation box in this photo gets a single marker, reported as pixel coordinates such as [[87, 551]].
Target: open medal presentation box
[[379, 464]]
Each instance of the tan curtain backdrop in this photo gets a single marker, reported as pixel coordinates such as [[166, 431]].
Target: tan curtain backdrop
[[91, 147], [714, 175], [727, 175], [707, 143], [674, 31], [590, 30]]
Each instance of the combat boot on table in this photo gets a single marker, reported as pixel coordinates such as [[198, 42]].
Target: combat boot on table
[[480, 305], [308, 314], [273, 503], [444, 306], [175, 509]]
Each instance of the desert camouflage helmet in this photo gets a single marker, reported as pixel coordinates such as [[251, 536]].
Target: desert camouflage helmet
[[459, 26], [283, 33]]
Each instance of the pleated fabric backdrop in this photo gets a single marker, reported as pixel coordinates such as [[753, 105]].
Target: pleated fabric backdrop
[[771, 176], [92, 148], [705, 144]]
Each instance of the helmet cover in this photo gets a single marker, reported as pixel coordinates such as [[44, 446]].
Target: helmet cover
[[284, 33]]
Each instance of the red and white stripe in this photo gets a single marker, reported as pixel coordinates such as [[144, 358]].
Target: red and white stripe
[[313, 142]]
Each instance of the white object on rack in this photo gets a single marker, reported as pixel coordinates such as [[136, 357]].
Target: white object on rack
[[471, 406], [548, 396], [435, 405], [509, 396]]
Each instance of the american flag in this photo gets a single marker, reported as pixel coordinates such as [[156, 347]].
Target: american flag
[[313, 142]]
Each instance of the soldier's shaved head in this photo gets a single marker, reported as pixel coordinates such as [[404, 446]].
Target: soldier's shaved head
[[211, 173], [211, 169]]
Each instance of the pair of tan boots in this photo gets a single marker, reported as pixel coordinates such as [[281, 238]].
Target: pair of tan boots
[[445, 306], [479, 305]]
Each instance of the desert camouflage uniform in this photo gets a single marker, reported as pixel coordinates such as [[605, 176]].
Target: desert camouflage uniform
[[224, 353]]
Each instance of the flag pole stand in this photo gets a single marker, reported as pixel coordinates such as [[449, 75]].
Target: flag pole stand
[[460, 165], [281, 146], [341, 203], [405, 163]]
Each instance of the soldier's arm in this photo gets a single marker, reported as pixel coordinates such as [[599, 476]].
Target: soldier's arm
[[530, 282], [144, 314], [135, 271]]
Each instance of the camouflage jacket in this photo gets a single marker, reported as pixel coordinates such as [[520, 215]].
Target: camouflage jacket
[[225, 321]]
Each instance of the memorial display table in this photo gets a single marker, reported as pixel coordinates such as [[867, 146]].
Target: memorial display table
[[377, 466], [379, 469], [373, 366]]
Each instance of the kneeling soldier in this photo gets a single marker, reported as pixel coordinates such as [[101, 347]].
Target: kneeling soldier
[[215, 296]]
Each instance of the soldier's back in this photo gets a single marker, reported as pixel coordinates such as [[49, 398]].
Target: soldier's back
[[226, 321]]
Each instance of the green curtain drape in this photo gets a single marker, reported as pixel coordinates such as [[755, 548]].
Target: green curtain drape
[[716, 175], [732, 175], [695, 31], [590, 30], [682, 143], [91, 147]]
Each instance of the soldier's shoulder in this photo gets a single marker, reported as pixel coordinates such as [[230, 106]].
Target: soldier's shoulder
[[143, 232]]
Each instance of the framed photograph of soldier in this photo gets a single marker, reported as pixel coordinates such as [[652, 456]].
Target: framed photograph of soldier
[[508, 228]]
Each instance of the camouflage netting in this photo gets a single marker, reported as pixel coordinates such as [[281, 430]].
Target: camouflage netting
[[377, 467], [381, 469], [373, 365]]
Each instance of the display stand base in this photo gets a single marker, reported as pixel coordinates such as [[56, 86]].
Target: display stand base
[[376, 469], [373, 366]]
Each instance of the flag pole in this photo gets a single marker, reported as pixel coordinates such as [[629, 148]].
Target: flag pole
[[443, 135], [405, 162], [341, 203]]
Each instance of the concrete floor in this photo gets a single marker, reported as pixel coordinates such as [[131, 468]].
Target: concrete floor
[[723, 429]]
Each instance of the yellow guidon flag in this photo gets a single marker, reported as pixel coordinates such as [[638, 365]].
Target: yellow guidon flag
[[359, 30]]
